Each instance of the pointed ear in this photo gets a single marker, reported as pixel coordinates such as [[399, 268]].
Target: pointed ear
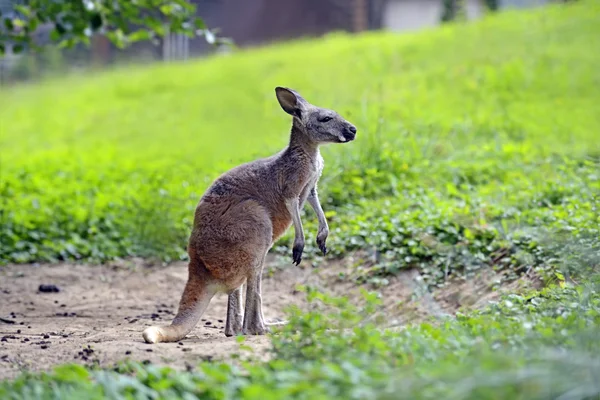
[[291, 102]]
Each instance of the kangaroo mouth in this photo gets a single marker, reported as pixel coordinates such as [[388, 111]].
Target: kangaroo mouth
[[346, 138]]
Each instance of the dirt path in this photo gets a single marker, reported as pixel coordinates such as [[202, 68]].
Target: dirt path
[[100, 311]]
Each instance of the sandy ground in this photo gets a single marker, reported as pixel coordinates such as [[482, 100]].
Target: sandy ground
[[100, 311]]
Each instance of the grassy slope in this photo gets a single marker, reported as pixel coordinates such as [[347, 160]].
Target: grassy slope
[[465, 121], [487, 132]]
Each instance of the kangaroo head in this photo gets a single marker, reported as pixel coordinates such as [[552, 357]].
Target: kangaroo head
[[319, 124]]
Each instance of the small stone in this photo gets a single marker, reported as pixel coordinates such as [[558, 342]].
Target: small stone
[[48, 288]]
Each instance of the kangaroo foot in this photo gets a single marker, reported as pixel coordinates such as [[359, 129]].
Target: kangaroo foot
[[254, 323], [258, 328], [233, 329]]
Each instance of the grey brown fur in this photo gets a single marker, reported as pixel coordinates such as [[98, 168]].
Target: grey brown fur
[[244, 212]]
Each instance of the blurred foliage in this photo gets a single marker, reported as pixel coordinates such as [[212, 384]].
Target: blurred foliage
[[122, 21], [452, 9], [456, 9], [491, 4]]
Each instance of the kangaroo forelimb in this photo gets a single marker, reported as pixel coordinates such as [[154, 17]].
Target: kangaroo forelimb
[[293, 207]]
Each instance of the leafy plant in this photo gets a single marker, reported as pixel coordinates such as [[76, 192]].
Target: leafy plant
[[123, 22], [535, 346]]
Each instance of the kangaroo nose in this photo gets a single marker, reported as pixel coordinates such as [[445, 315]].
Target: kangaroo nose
[[350, 132]]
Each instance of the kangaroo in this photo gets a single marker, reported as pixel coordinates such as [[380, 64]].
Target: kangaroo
[[243, 213]]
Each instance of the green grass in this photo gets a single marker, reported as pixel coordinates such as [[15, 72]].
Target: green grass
[[541, 345], [460, 128], [478, 147]]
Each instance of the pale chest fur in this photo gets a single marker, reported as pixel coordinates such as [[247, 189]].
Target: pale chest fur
[[316, 169]]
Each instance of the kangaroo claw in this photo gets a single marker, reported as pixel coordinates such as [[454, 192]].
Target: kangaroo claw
[[322, 246], [297, 255]]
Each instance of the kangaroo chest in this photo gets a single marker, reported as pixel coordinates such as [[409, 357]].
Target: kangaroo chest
[[311, 181], [299, 184]]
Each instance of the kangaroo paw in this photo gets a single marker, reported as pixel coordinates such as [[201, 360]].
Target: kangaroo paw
[[322, 247], [297, 254], [233, 329], [256, 329]]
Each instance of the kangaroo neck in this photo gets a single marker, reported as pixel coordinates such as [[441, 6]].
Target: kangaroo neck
[[300, 144]]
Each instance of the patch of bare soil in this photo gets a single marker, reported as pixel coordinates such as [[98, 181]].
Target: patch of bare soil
[[99, 312]]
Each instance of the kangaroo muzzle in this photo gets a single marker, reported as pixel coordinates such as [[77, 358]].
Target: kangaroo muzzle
[[349, 134]]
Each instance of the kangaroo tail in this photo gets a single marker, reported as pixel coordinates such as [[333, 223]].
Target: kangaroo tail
[[196, 297]]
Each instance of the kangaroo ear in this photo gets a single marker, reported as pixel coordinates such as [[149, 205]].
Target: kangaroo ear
[[291, 102]]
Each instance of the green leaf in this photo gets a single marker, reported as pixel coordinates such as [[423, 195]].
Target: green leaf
[[468, 234], [18, 48], [33, 24], [9, 24], [139, 35], [96, 21], [71, 373], [54, 35], [60, 29], [199, 23], [26, 11], [19, 23]]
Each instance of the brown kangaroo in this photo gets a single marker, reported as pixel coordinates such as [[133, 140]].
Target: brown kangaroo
[[244, 212]]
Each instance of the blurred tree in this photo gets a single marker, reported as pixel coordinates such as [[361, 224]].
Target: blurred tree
[[491, 4], [452, 9], [76, 21]]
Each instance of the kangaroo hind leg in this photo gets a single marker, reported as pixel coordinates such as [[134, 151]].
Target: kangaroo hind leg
[[235, 313], [254, 322]]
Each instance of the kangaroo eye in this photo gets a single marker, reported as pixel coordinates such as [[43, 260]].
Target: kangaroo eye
[[325, 119]]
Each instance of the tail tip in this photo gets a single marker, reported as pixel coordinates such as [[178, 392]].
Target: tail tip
[[152, 334]]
